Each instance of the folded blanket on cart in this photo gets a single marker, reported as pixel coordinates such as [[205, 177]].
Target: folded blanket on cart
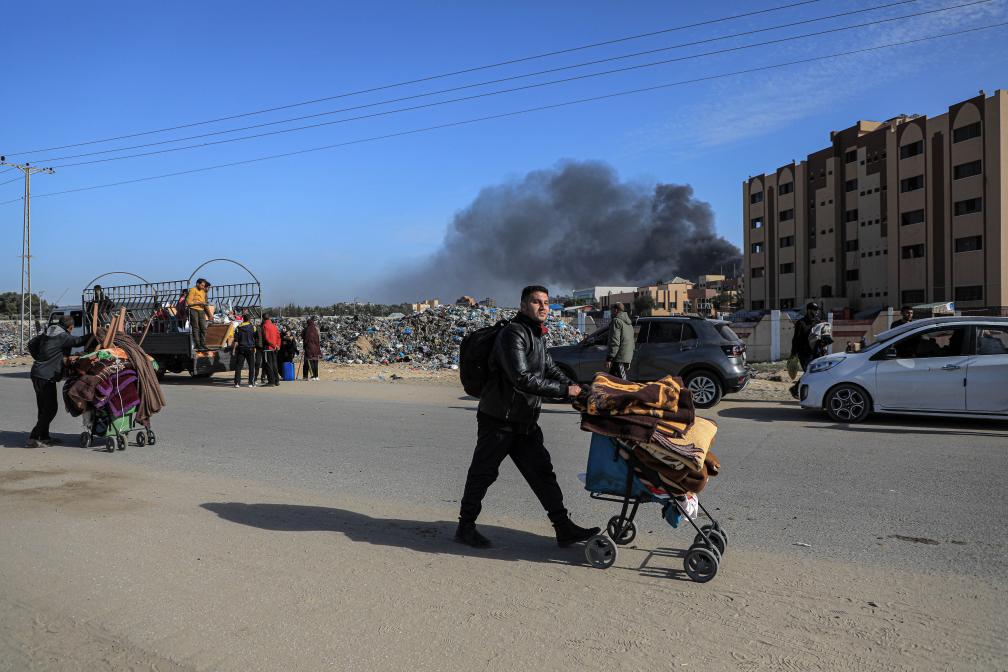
[[662, 399], [673, 478], [81, 387], [118, 394], [691, 448]]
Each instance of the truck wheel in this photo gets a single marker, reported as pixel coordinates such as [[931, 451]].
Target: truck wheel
[[705, 388]]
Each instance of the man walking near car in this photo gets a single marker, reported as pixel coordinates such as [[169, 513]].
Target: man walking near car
[[520, 372], [906, 313], [621, 343]]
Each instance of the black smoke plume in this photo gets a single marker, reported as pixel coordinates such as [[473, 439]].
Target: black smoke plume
[[572, 226]]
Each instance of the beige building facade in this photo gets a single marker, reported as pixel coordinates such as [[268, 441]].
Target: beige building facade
[[913, 210]]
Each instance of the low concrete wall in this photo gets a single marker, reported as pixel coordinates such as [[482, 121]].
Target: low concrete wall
[[759, 336]]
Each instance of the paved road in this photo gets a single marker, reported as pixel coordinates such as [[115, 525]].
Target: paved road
[[913, 493]]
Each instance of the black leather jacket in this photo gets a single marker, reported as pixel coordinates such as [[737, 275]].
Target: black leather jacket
[[521, 373]]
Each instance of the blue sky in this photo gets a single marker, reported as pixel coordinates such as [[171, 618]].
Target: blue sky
[[325, 226]]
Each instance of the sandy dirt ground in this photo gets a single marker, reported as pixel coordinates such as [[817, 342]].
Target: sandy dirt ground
[[110, 567]]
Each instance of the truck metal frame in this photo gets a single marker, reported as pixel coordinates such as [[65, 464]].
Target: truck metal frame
[[150, 318]]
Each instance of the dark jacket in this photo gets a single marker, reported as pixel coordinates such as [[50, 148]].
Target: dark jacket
[[899, 323], [801, 344], [621, 339], [288, 349], [245, 336], [56, 343], [521, 372], [312, 343]]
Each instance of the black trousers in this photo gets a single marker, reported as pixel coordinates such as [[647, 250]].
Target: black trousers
[[310, 366], [494, 442], [241, 356], [619, 369], [46, 401], [268, 366]]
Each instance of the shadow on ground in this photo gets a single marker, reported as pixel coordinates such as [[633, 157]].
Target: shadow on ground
[[891, 424], [19, 439], [424, 536], [16, 374]]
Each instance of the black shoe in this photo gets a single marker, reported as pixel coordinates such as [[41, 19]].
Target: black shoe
[[468, 534], [568, 533]]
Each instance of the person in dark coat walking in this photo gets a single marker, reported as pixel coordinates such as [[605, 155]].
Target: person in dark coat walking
[[312, 343], [49, 349], [621, 343], [244, 350], [802, 346], [520, 373]]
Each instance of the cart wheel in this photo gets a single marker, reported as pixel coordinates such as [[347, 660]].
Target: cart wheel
[[122, 442], [85, 439], [110, 444], [600, 552], [629, 530], [700, 564], [151, 439], [717, 527], [141, 439], [716, 538]]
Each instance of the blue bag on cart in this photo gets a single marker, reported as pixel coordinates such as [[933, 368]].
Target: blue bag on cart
[[607, 472]]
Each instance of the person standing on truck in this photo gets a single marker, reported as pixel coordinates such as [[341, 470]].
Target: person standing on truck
[[312, 343], [49, 349], [196, 301], [271, 343], [244, 350], [621, 343]]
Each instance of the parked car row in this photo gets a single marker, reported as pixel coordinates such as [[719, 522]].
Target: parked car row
[[706, 354]]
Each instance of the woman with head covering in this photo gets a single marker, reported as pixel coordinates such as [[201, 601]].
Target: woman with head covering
[[312, 350]]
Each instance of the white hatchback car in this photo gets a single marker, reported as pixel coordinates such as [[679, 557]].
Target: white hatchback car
[[955, 366]]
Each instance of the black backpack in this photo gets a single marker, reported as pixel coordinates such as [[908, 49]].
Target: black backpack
[[474, 357], [35, 346]]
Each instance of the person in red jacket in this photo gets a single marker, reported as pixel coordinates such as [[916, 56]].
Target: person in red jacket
[[271, 343]]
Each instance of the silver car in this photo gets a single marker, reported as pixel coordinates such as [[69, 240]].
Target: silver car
[[939, 366]]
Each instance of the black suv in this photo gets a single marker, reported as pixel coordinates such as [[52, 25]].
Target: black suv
[[706, 354]]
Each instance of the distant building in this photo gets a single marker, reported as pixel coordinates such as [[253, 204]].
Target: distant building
[[488, 302], [913, 210], [425, 305], [595, 295], [670, 298]]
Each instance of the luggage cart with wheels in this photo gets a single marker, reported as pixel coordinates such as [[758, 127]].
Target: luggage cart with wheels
[[614, 475], [114, 433]]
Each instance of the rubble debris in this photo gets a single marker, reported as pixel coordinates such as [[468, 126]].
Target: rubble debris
[[427, 340]]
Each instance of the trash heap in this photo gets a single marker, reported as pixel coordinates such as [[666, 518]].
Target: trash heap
[[9, 334], [428, 340]]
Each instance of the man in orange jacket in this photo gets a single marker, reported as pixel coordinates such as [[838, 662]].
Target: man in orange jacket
[[271, 343]]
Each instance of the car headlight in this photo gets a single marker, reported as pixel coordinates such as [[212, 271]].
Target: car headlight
[[824, 365]]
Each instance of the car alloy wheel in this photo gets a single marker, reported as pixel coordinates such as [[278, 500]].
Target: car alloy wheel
[[847, 403], [704, 389]]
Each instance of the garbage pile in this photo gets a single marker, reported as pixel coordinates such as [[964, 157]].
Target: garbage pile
[[428, 340], [9, 334]]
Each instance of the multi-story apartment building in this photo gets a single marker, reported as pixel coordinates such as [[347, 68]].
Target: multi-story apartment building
[[912, 210]]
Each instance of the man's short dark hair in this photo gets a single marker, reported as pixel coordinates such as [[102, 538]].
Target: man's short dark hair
[[619, 306], [906, 308], [532, 289], [204, 281], [68, 322]]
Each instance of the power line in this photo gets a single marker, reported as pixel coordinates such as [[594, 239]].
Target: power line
[[16, 179], [509, 90], [429, 78], [515, 113], [517, 77]]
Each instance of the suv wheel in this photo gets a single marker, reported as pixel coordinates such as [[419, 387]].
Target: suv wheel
[[705, 389], [847, 403]]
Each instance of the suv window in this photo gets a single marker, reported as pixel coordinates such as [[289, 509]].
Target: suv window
[[688, 332], [946, 342], [992, 341], [665, 332], [727, 333]]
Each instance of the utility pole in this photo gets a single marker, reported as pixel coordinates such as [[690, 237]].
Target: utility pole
[[28, 171]]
